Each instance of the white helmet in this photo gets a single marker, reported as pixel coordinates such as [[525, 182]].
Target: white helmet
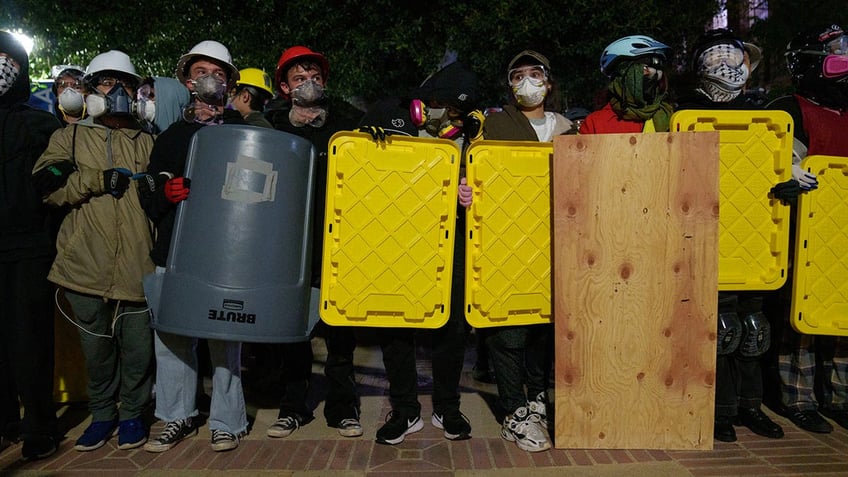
[[112, 60], [210, 49]]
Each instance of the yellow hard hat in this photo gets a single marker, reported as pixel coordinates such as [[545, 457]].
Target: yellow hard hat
[[256, 78]]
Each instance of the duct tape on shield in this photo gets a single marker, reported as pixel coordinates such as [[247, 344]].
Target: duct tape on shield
[[250, 180]]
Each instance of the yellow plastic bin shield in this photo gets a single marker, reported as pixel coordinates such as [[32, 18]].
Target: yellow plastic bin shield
[[756, 154], [820, 285], [508, 236], [389, 225]]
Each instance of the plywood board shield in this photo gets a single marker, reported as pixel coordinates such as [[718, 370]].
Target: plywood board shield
[[635, 234]]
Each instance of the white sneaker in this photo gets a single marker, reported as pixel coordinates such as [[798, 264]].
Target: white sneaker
[[538, 411], [527, 433]]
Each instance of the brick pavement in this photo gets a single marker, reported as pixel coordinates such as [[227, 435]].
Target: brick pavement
[[317, 450]]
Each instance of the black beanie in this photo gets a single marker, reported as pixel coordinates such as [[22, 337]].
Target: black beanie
[[455, 85]]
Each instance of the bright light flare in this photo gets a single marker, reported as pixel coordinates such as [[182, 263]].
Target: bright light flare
[[24, 40]]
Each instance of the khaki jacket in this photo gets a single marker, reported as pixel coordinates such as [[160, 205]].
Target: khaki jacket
[[104, 243]]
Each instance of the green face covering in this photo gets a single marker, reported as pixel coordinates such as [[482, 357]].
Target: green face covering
[[629, 99]]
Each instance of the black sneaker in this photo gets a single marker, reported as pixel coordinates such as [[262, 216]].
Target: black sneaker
[[723, 429], [810, 420], [283, 427], [836, 415], [457, 427], [38, 447], [350, 427], [760, 424], [396, 428], [173, 433], [482, 374], [225, 441]]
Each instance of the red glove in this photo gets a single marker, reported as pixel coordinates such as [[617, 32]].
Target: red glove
[[177, 189]]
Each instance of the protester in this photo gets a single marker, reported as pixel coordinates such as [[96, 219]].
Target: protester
[[818, 61], [103, 247], [638, 85], [443, 106], [521, 355], [208, 72], [722, 64], [27, 249], [69, 91], [301, 78]]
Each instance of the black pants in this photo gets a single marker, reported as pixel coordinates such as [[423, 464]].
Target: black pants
[[739, 380], [26, 346], [739, 383], [520, 357], [398, 345], [342, 401]]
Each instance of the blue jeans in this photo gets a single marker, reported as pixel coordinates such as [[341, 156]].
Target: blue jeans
[[176, 381]]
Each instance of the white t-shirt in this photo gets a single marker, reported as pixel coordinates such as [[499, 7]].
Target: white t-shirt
[[544, 127]]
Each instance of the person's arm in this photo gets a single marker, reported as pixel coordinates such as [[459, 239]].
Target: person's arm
[[59, 178], [161, 178]]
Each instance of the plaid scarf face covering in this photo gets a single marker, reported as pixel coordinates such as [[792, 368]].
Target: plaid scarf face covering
[[8, 74]]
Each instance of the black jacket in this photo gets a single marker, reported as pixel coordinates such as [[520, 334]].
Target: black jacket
[[27, 226], [169, 154], [340, 117]]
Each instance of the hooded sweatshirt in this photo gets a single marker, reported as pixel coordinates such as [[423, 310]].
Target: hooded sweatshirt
[[171, 97], [27, 226]]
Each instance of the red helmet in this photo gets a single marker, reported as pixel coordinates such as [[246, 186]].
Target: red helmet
[[299, 53]]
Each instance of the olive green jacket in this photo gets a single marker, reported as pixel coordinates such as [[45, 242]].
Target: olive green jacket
[[104, 242]]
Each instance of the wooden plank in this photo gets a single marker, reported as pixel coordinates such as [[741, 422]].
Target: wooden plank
[[635, 220]]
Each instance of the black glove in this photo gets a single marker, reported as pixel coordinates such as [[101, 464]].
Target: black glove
[[148, 184], [472, 125], [53, 177], [376, 132], [786, 192], [116, 181]]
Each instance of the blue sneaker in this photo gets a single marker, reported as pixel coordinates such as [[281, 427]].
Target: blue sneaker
[[131, 434], [96, 435]]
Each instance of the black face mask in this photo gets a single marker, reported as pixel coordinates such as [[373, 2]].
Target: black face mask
[[115, 102], [119, 101]]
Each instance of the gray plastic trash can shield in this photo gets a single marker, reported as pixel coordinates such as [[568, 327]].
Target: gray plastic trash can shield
[[239, 264]]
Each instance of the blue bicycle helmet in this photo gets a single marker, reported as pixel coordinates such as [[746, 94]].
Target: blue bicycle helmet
[[631, 47]]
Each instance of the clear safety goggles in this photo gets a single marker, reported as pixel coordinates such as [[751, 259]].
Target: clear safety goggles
[[838, 46], [75, 84], [534, 72], [145, 92], [721, 54], [110, 82]]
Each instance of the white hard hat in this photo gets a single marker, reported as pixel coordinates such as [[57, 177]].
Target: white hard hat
[[210, 49], [112, 60]]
